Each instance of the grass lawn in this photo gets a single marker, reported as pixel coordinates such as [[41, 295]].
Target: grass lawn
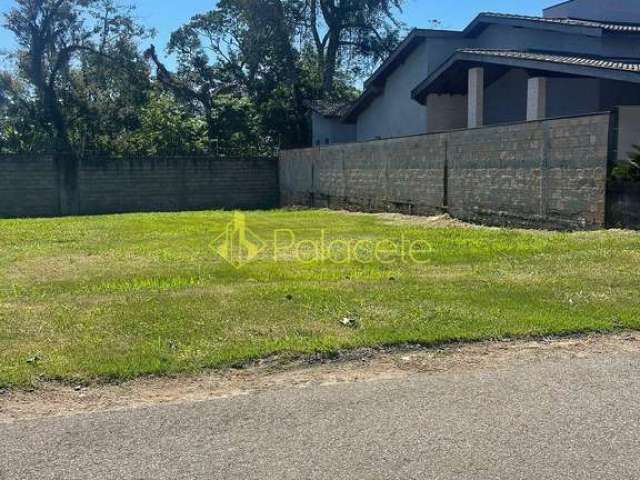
[[114, 297]]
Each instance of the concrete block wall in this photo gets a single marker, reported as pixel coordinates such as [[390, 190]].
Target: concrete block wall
[[402, 174], [546, 173], [549, 173], [28, 186], [31, 186]]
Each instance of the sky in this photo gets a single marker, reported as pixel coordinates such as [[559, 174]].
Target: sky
[[167, 15]]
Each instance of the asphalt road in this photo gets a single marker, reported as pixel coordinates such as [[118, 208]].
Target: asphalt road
[[569, 419]]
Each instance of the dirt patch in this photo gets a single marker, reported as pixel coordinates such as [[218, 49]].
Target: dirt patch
[[361, 365], [437, 221]]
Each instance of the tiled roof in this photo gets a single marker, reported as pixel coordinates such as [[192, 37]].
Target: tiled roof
[[450, 77], [611, 27], [565, 59]]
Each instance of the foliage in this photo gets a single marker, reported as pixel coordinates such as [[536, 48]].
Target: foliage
[[84, 73], [351, 34], [244, 74], [629, 170]]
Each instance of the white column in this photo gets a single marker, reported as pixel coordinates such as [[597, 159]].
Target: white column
[[476, 97], [537, 98]]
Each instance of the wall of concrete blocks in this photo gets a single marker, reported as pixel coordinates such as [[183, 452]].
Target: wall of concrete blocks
[[549, 173], [35, 186], [404, 174]]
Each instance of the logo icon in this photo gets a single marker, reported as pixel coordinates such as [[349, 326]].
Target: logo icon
[[238, 245]]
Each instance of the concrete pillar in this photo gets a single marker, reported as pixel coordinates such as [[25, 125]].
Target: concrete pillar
[[476, 98], [537, 98]]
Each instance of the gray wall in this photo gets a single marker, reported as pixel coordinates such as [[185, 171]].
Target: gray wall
[[545, 173], [327, 131], [28, 186], [394, 113], [31, 186], [609, 10], [505, 100]]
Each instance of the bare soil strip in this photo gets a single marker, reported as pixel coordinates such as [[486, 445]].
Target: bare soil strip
[[362, 365]]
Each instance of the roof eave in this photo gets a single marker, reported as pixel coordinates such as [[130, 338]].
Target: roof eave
[[421, 92], [483, 20], [351, 115], [415, 38]]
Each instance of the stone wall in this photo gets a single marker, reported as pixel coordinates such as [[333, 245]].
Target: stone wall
[[549, 173], [33, 186]]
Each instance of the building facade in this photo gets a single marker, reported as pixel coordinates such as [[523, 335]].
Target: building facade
[[579, 57]]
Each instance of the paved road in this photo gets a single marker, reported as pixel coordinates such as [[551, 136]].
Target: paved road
[[575, 419]]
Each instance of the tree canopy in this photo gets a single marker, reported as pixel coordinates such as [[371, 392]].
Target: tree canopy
[[239, 78]]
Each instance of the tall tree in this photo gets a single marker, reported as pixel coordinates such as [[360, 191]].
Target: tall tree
[[63, 47], [351, 33], [242, 49]]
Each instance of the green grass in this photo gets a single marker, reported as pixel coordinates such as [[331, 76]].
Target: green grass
[[115, 297]]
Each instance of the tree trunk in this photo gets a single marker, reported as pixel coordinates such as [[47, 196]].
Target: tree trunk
[[330, 65]]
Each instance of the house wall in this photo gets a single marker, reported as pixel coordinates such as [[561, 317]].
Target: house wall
[[548, 173], [509, 37], [327, 131], [608, 10], [31, 186], [446, 112], [572, 96], [505, 100], [394, 113]]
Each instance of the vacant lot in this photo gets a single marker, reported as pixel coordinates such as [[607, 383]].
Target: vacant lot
[[115, 297]]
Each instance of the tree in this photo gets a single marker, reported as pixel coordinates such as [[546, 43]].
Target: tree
[[20, 130], [628, 170], [72, 53], [353, 33], [243, 50]]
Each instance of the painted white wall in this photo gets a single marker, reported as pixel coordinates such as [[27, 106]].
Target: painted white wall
[[628, 130]]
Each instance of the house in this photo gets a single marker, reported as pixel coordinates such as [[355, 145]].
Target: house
[[580, 56]]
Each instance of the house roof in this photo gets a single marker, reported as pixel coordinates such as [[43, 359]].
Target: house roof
[[416, 37], [450, 78], [351, 114], [582, 26], [595, 62], [374, 86]]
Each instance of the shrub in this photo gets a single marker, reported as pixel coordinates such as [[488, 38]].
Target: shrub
[[628, 170]]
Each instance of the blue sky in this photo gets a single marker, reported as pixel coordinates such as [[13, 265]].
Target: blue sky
[[167, 15]]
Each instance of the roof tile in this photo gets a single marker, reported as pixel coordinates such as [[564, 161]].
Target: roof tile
[[596, 62]]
